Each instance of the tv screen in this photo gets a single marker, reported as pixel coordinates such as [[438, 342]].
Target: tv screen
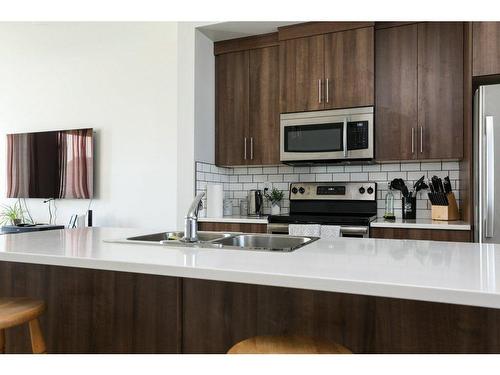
[[52, 164]]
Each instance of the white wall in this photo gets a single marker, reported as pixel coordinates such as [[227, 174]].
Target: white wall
[[120, 79], [195, 95]]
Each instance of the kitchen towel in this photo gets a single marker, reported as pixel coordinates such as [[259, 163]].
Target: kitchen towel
[[311, 230], [330, 232], [215, 198]]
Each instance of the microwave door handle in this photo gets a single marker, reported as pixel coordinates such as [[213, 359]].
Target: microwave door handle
[[344, 135]]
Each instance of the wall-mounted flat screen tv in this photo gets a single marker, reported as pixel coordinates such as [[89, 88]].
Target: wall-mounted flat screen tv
[[52, 164]]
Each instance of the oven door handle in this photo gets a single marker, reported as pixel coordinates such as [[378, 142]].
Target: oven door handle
[[344, 136], [354, 230]]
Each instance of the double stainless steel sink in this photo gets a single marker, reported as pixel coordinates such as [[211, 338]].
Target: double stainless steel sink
[[216, 240]]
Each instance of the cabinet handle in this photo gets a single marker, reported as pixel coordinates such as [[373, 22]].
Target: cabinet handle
[[412, 140], [251, 148], [327, 90], [319, 91], [344, 136], [421, 139], [245, 155]]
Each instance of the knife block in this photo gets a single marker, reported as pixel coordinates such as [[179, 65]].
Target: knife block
[[446, 213]]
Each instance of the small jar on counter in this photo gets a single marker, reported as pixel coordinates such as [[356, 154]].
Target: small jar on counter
[[228, 207], [244, 207]]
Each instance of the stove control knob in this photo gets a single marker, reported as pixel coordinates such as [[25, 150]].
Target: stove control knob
[[361, 190], [302, 190], [370, 190], [294, 190]]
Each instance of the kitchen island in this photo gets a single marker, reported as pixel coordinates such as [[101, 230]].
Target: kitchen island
[[372, 295]]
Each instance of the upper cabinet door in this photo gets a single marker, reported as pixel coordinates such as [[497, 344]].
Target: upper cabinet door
[[301, 74], [486, 48], [396, 93], [232, 104], [349, 68], [264, 106], [440, 90]]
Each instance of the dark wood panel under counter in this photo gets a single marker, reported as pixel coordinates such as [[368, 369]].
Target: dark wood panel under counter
[[232, 227], [421, 234]]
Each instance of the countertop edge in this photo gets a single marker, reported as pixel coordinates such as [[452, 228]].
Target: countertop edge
[[435, 226], [368, 288]]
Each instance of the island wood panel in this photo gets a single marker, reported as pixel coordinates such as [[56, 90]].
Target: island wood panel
[[349, 68], [264, 106], [217, 315], [396, 93], [486, 48], [301, 71], [440, 90], [232, 108], [421, 234], [92, 311], [232, 227]]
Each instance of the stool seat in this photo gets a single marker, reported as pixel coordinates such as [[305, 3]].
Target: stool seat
[[16, 311], [287, 345]]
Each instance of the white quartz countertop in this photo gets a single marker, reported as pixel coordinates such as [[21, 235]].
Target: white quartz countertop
[[420, 224], [459, 273], [235, 219]]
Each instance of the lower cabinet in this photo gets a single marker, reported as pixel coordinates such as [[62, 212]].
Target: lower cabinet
[[233, 227], [421, 234]]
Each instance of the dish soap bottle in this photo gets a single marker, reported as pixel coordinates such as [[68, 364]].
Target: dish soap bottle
[[389, 204]]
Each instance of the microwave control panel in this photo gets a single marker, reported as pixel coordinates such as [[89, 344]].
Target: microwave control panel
[[357, 135]]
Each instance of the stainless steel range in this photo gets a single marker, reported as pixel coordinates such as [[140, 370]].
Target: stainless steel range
[[352, 205]]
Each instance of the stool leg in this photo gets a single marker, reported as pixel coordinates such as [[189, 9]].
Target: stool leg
[[37, 341], [2, 341]]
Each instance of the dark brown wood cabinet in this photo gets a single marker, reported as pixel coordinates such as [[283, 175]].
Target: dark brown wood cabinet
[[264, 128], [334, 70], [486, 48], [440, 90], [419, 91], [421, 234], [247, 107], [232, 107], [232, 227], [396, 92], [349, 68]]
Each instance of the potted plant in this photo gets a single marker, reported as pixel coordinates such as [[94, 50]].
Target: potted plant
[[275, 198], [13, 215]]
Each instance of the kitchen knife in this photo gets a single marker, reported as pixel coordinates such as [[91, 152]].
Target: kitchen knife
[[431, 187], [441, 187], [447, 184]]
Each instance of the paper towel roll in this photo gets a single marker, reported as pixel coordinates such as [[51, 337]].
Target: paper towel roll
[[215, 198]]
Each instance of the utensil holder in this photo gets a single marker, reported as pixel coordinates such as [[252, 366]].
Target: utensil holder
[[446, 213], [409, 207]]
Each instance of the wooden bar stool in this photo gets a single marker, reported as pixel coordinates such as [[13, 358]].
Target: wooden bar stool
[[287, 345], [17, 311]]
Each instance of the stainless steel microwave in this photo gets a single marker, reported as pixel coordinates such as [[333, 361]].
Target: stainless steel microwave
[[322, 136]]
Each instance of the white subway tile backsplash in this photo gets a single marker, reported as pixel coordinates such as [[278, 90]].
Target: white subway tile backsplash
[[335, 169], [245, 178], [353, 168], [270, 170], [371, 168], [319, 169], [359, 176], [377, 176], [275, 178], [390, 167], [324, 177], [237, 181], [410, 166], [301, 170], [291, 177], [306, 177], [340, 177], [450, 165], [430, 166]]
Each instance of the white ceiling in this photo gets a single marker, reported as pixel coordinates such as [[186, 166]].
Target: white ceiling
[[231, 30]]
